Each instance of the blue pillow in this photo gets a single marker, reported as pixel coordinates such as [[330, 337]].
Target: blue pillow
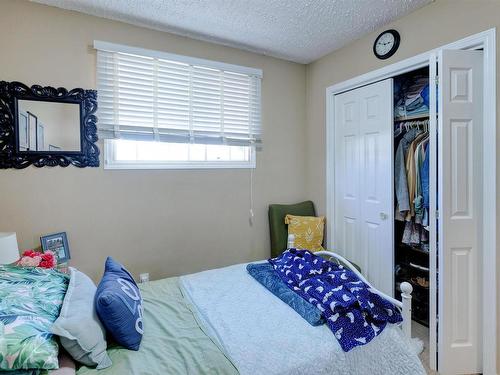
[[265, 274], [118, 304]]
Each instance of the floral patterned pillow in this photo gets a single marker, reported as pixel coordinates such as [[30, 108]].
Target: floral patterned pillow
[[30, 301]]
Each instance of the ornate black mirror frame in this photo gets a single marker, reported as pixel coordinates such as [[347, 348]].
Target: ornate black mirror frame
[[10, 157]]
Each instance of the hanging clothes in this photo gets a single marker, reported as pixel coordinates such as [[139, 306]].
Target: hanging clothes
[[414, 234], [424, 181], [411, 164], [418, 202], [411, 174], [411, 178], [400, 175]]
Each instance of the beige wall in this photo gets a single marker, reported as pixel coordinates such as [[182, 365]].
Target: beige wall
[[175, 222], [437, 24], [163, 222]]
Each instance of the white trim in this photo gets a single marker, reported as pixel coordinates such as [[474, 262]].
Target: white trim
[[486, 40], [180, 165], [330, 169], [432, 212], [490, 215], [112, 47], [111, 163]]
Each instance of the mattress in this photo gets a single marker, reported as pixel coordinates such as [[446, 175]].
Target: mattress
[[263, 335]]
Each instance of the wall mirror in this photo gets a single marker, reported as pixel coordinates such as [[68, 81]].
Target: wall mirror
[[48, 126], [45, 126]]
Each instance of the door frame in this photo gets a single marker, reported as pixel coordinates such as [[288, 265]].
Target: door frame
[[487, 41]]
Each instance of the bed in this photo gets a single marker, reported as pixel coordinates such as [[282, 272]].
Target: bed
[[224, 322]]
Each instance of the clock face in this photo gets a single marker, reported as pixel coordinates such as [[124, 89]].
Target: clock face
[[386, 44]]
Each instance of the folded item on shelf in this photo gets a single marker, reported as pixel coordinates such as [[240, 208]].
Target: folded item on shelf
[[420, 281], [415, 99]]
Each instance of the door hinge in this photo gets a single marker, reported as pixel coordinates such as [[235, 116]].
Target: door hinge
[[436, 80], [437, 214]]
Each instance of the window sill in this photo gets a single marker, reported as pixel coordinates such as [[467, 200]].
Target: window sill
[[178, 166]]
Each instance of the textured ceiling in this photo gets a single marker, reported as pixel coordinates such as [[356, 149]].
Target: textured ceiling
[[295, 30]]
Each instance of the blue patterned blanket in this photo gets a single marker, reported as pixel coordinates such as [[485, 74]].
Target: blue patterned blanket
[[353, 312]]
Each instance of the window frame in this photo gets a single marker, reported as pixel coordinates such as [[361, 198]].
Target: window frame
[[112, 164]]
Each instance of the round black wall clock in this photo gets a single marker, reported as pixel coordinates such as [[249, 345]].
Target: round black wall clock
[[386, 44]]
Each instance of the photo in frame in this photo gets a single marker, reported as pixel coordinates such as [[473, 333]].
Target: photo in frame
[[58, 244]]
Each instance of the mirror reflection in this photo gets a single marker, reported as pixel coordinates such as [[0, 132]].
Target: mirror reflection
[[48, 126]]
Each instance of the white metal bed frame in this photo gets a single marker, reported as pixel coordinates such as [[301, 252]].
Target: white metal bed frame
[[406, 289]]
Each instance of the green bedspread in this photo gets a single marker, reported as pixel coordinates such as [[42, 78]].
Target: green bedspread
[[173, 342]]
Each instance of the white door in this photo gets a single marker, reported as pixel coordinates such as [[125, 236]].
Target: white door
[[460, 204], [363, 181]]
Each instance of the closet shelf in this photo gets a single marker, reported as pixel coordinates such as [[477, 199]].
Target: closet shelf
[[414, 117], [405, 247], [406, 265]]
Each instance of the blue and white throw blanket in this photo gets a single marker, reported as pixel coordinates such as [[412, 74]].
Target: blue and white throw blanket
[[352, 310]]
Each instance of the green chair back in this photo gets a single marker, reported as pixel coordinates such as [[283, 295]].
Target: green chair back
[[278, 228]]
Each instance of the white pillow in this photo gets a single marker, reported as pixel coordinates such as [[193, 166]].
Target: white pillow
[[80, 331]]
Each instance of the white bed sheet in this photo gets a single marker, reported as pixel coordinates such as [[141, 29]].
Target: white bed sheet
[[263, 335]]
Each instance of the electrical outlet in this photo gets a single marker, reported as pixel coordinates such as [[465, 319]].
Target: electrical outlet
[[144, 277]]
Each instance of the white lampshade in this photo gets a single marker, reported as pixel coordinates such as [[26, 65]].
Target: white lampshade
[[9, 251]]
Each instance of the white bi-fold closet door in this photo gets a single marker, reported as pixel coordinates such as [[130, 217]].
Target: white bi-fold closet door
[[364, 199], [363, 181], [459, 200]]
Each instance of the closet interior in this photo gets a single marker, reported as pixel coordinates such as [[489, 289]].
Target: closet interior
[[411, 188]]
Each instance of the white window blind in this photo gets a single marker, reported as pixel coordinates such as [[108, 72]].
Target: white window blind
[[150, 95]]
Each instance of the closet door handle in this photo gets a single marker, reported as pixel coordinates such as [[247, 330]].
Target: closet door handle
[[383, 216]]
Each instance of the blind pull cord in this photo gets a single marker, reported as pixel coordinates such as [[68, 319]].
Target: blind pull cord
[[250, 211]]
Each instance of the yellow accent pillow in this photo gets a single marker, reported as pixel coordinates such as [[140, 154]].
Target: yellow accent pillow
[[308, 231]]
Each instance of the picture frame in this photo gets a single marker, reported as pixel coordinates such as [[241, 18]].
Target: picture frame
[[32, 131], [58, 244], [23, 131], [40, 137]]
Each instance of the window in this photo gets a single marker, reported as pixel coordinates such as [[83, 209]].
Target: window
[[158, 110], [126, 154]]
